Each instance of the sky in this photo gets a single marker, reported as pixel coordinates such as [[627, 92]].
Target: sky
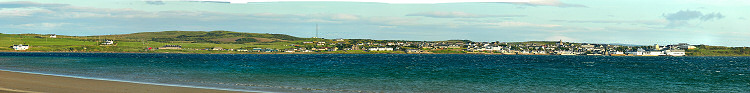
[[643, 22]]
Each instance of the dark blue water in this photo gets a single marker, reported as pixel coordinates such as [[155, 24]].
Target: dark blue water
[[401, 72]]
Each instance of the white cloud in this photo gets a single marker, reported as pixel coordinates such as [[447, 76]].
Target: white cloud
[[550, 3], [456, 14], [387, 26], [378, 1], [13, 12], [645, 22], [397, 21], [38, 25], [560, 37], [344, 17], [519, 24]]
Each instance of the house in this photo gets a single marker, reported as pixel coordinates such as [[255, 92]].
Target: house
[[108, 42], [289, 51], [565, 53], [217, 48], [257, 49], [685, 46], [675, 52], [171, 47], [416, 51], [495, 48], [339, 39], [380, 49], [20, 47], [638, 52], [653, 53], [53, 36], [617, 53], [587, 46]]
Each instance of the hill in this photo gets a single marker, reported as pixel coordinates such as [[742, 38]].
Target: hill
[[138, 42], [219, 37]]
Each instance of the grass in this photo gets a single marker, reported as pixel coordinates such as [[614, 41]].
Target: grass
[[139, 42], [91, 44]]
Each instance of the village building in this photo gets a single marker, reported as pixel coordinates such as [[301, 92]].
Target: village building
[[675, 52], [171, 47], [108, 42], [380, 49], [416, 51], [217, 48], [338, 39], [53, 36], [20, 47], [653, 53]]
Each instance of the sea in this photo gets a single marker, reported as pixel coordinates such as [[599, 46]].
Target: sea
[[439, 73]]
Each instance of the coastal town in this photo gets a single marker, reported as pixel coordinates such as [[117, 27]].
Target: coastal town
[[443, 47], [467, 47]]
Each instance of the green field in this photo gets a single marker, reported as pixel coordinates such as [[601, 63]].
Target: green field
[[718, 51], [129, 42], [198, 41]]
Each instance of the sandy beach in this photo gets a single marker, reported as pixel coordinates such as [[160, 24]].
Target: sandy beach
[[15, 82]]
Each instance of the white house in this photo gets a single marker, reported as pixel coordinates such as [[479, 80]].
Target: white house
[[616, 52], [108, 42], [653, 53], [675, 52], [635, 52], [53, 36], [338, 39], [495, 48], [380, 49], [20, 47]]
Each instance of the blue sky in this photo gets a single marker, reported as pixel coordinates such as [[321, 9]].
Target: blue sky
[[645, 22]]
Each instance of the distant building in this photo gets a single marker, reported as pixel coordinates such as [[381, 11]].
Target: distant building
[[257, 50], [20, 47], [171, 47], [685, 46], [339, 39], [53, 36], [416, 51], [675, 52], [380, 49], [653, 53], [587, 46], [638, 52], [108, 42], [217, 48]]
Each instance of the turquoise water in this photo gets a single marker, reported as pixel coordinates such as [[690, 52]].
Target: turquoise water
[[400, 72]]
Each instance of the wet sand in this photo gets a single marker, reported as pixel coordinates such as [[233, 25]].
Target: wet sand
[[15, 82]]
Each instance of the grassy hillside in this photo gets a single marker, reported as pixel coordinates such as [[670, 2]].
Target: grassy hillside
[[138, 42], [219, 37], [704, 50]]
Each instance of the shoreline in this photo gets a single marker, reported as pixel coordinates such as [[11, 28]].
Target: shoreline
[[1, 51], [30, 82]]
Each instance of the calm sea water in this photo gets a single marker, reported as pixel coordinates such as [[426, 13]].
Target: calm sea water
[[400, 72]]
